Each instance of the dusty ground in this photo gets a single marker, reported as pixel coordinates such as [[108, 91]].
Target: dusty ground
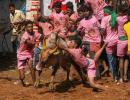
[[64, 90]]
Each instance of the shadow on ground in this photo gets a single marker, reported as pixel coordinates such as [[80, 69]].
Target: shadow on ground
[[7, 62]]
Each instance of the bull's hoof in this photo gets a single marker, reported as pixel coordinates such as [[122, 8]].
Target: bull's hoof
[[36, 84], [69, 79], [51, 87]]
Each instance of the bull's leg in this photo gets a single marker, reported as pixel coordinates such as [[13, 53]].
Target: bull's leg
[[67, 69], [38, 71], [68, 74], [38, 74], [51, 85], [80, 72]]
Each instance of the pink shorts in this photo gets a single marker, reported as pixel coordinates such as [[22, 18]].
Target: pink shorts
[[21, 63], [91, 69], [122, 48]]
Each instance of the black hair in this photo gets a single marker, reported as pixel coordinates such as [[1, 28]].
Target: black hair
[[28, 22], [85, 7], [122, 8], [57, 4], [76, 39], [108, 7], [80, 3], [107, 1], [70, 5], [12, 5], [81, 8], [128, 12]]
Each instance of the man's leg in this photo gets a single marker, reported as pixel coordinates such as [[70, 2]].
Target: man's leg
[[98, 53], [21, 68], [29, 63], [113, 66], [129, 69]]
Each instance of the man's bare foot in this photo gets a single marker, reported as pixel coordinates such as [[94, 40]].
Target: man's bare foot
[[125, 79], [22, 83]]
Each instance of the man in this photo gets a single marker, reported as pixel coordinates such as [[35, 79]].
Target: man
[[97, 7], [16, 16]]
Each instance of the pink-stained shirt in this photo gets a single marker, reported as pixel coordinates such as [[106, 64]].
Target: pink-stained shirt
[[78, 57], [46, 27], [121, 21], [97, 6], [74, 16], [91, 29], [59, 21], [24, 51], [111, 36]]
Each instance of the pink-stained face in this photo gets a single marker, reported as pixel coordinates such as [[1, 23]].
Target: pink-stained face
[[87, 14], [71, 25], [12, 10], [69, 11], [71, 44], [57, 9], [29, 28], [81, 14]]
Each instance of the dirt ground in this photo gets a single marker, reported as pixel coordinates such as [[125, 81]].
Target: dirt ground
[[73, 90]]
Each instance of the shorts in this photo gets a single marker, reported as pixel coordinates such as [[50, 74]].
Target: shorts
[[21, 64], [22, 59], [122, 48], [91, 69]]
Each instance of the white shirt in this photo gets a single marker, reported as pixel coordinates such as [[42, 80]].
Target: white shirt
[[17, 17]]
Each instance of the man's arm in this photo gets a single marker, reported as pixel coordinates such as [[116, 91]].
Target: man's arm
[[103, 27]]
